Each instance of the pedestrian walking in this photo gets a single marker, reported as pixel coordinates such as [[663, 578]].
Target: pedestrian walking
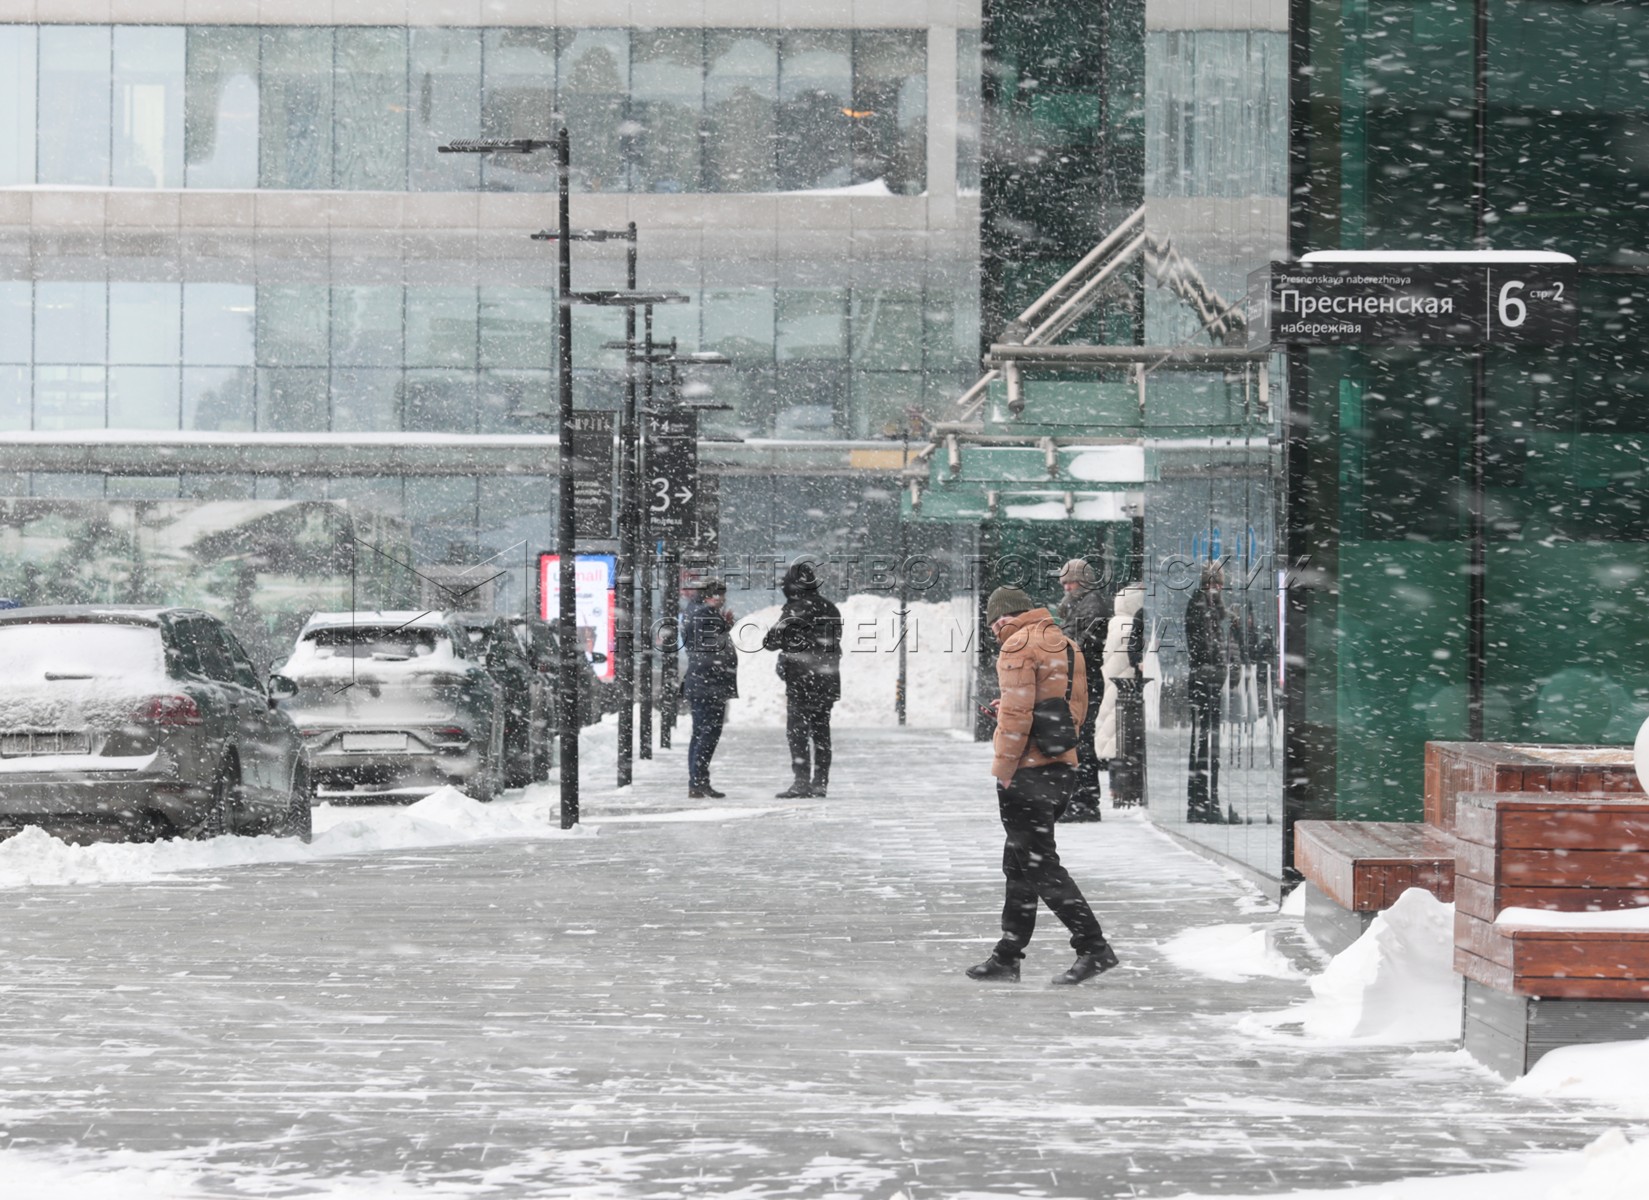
[[1083, 616], [1035, 780], [712, 680], [808, 637]]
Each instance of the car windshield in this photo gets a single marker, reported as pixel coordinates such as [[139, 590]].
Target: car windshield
[[372, 642], [78, 650]]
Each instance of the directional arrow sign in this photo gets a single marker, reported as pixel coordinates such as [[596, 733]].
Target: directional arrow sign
[[672, 473]]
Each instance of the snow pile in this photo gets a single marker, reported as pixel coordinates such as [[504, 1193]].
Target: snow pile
[[1616, 1073], [33, 858], [939, 657], [1230, 953], [1611, 1168], [1395, 984]]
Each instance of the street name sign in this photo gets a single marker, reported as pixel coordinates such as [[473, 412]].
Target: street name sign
[[1469, 301], [591, 436]]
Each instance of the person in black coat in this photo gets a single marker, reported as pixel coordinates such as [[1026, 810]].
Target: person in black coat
[[1208, 647], [1084, 616], [712, 680], [808, 638]]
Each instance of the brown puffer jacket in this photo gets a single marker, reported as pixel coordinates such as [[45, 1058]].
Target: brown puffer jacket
[[1029, 668]]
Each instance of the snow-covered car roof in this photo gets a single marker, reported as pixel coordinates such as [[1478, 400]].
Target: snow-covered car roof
[[410, 618], [124, 614]]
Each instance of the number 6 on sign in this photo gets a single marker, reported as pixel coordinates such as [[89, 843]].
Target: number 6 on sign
[[1512, 311]]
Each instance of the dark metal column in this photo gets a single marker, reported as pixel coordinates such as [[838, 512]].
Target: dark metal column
[[628, 519], [567, 716], [645, 536]]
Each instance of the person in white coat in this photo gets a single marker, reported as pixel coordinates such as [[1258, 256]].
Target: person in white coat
[[1119, 730]]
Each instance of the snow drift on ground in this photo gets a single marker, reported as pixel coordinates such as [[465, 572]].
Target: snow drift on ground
[[1230, 953], [1395, 984], [34, 857], [1611, 1168]]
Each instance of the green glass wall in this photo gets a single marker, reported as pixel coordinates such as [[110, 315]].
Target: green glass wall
[[1400, 144], [1063, 144]]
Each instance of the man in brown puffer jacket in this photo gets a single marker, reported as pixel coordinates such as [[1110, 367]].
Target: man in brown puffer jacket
[[1034, 788]]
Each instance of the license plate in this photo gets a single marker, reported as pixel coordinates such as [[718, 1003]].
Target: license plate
[[375, 742], [41, 742]]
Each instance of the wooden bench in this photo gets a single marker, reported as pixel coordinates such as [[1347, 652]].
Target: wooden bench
[[1357, 869], [1539, 982]]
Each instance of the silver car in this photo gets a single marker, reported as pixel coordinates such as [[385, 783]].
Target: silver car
[[395, 705], [139, 723]]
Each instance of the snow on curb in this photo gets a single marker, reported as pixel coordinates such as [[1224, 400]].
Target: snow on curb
[[33, 858]]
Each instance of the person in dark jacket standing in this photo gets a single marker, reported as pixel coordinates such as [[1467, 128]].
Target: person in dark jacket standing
[[1084, 615], [1208, 647], [712, 680], [808, 637], [1035, 665]]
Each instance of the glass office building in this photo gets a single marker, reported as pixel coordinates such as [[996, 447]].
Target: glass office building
[[219, 229]]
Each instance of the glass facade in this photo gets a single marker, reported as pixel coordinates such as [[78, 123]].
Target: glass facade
[[309, 357], [1386, 499], [365, 108]]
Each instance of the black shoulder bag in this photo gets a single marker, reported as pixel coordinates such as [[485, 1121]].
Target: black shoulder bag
[[1053, 728]]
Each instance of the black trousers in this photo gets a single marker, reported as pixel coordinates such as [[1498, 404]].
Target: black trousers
[[1087, 760], [1202, 798], [708, 716], [807, 729], [1030, 806]]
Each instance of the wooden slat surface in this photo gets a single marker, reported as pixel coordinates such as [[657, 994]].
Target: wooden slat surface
[[1365, 865]]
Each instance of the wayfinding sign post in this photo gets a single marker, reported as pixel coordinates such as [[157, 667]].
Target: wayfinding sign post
[[1474, 300], [672, 485], [1380, 302], [591, 434]]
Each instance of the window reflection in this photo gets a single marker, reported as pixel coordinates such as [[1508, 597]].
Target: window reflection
[[218, 398], [145, 321], [370, 120], [218, 323], [296, 103], [594, 88], [143, 397], [366, 107], [69, 322], [741, 97], [75, 79], [17, 104], [220, 132], [148, 107], [518, 101], [667, 101], [815, 110], [443, 102]]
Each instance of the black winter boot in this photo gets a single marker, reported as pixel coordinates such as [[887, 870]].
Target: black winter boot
[[1087, 966], [995, 970], [796, 791]]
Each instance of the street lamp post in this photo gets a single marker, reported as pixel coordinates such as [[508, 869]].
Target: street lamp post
[[567, 690]]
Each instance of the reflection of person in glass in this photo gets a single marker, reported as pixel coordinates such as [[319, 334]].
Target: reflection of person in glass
[[1208, 646]]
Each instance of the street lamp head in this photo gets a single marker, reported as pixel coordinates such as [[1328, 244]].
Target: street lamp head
[[494, 145]]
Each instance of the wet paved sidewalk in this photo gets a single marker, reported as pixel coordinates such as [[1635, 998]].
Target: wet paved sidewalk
[[765, 1002]]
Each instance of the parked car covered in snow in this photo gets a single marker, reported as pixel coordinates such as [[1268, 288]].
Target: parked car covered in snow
[[526, 695], [395, 705], [121, 723]]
